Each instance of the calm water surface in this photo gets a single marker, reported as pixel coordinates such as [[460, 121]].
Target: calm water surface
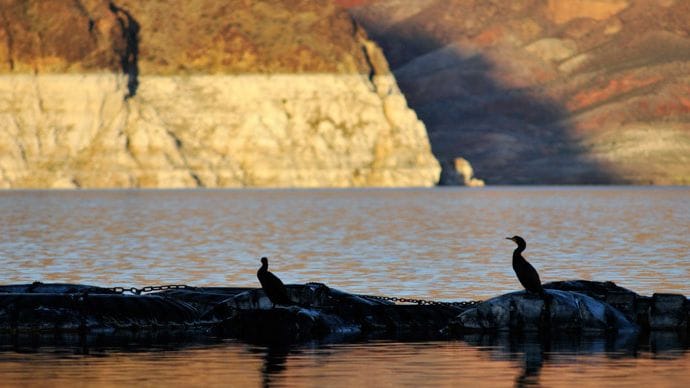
[[446, 244]]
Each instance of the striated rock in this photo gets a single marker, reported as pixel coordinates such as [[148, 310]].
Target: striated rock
[[562, 92], [270, 93], [212, 131], [224, 97]]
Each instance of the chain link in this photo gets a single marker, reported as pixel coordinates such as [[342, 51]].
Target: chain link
[[139, 291], [423, 302]]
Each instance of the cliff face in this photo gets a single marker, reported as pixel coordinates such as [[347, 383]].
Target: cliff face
[[546, 91], [272, 93]]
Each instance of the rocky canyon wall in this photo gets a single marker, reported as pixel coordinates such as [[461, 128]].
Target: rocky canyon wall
[[545, 91], [95, 94], [285, 130]]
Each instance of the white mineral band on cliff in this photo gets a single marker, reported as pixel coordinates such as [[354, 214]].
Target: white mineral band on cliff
[[253, 130]]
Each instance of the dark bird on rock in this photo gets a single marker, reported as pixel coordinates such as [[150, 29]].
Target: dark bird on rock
[[273, 287], [526, 274]]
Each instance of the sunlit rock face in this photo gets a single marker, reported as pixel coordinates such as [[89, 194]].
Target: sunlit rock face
[[282, 130], [200, 94], [552, 91]]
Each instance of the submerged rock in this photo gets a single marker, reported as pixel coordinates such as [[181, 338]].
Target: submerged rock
[[522, 311]]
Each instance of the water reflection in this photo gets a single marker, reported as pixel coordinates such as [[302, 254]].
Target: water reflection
[[483, 360], [532, 351], [275, 361], [103, 343]]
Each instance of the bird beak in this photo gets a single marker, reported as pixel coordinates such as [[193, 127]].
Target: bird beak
[[509, 238]]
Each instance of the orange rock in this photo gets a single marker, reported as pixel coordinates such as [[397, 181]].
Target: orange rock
[[560, 11], [612, 88]]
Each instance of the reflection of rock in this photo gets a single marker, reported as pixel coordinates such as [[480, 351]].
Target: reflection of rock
[[458, 173], [522, 311]]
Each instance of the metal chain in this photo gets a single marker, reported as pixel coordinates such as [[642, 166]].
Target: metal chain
[[427, 302], [147, 289], [421, 301], [139, 291]]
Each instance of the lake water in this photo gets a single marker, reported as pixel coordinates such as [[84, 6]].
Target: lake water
[[442, 244]]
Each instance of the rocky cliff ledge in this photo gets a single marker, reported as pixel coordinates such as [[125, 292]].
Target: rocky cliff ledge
[[545, 91], [272, 93]]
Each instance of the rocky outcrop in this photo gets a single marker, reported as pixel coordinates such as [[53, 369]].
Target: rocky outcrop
[[458, 172], [546, 91], [147, 94], [209, 131]]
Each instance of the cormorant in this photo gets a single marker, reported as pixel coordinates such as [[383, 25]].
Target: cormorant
[[526, 274], [272, 285]]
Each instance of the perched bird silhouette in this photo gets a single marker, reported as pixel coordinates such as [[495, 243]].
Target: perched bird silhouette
[[273, 287], [526, 274]]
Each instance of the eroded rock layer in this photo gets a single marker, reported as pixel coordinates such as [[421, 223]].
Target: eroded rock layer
[[275, 93]]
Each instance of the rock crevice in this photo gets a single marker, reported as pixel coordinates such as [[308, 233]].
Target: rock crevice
[[229, 97]]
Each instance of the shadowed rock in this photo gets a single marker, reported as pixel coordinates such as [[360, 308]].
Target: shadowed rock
[[531, 91]]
